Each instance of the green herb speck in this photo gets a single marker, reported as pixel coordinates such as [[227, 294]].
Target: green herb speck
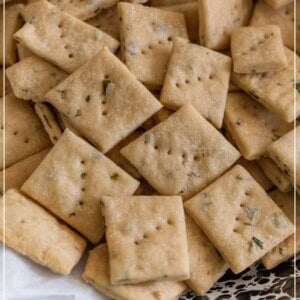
[[83, 175], [280, 251], [87, 98], [258, 242], [276, 219], [251, 212]]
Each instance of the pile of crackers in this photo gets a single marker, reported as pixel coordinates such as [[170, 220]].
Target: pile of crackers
[[159, 135]]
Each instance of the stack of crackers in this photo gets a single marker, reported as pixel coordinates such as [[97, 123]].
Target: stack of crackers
[[157, 134]]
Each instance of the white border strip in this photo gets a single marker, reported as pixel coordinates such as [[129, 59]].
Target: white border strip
[[3, 151]]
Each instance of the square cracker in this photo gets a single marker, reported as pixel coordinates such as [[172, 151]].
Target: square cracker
[[97, 273], [19, 172], [278, 3], [256, 172], [32, 77], [24, 131], [137, 245], [82, 9], [283, 17], [61, 38], [271, 170], [107, 21], [190, 11], [168, 2], [198, 76], [284, 250], [147, 35], [13, 22], [103, 101], [180, 158], [252, 126], [67, 183], [257, 49], [282, 152], [34, 232], [47, 116], [274, 90], [239, 218], [217, 20], [206, 264]]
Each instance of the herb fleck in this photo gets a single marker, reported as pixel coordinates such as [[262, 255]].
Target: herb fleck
[[87, 98], [72, 214], [114, 176], [148, 138], [78, 113], [238, 122], [276, 219], [251, 212], [250, 246], [193, 174], [258, 242], [83, 175], [280, 251], [62, 94], [239, 177]]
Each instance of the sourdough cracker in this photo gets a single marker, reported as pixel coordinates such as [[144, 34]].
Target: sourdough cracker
[[271, 170], [284, 250], [49, 121], [198, 76], [61, 38], [107, 21], [168, 2], [32, 77], [181, 158], [283, 17], [67, 183], [82, 10], [103, 101], [239, 218], [147, 36], [19, 172], [97, 273], [206, 264], [24, 133], [252, 126], [190, 11], [33, 232], [137, 251], [257, 49], [256, 172], [12, 23], [217, 20], [274, 90], [282, 152]]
